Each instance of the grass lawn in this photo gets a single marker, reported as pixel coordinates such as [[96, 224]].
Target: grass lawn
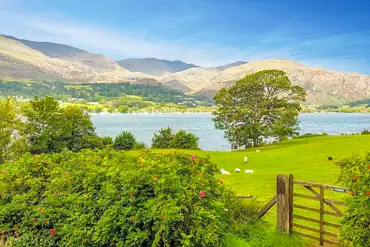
[[306, 159]]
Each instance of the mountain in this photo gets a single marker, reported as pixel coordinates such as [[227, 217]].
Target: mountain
[[23, 59], [322, 86], [191, 79], [154, 66], [226, 66]]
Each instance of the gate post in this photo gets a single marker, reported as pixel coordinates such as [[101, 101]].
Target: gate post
[[284, 203]]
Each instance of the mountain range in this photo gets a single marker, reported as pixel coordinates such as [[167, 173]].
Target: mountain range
[[30, 60]]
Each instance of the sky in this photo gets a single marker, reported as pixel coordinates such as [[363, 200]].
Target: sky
[[331, 34]]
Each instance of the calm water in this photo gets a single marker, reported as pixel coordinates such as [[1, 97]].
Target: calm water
[[144, 125]]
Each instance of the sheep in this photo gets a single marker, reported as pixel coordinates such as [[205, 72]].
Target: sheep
[[237, 170], [248, 171], [245, 159], [223, 172], [330, 158], [257, 150]]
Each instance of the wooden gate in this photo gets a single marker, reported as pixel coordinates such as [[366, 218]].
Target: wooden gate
[[286, 200]]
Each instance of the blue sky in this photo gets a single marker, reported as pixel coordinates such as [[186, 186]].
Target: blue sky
[[332, 34]]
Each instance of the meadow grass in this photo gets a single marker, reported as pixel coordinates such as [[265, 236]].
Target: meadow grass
[[306, 159]]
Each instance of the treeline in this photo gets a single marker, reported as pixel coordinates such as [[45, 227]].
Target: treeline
[[98, 92], [41, 126]]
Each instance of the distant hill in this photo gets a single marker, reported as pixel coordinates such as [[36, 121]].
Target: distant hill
[[322, 86], [24, 59], [154, 66], [226, 66]]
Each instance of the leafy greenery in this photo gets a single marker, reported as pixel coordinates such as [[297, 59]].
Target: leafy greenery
[[105, 198], [124, 141], [12, 144], [355, 174], [182, 140], [163, 138], [51, 129], [261, 105], [118, 93]]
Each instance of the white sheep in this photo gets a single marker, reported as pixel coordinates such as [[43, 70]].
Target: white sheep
[[257, 150], [237, 170], [248, 171], [223, 172], [245, 159]]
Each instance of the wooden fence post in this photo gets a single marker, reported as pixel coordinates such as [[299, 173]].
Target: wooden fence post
[[284, 203], [321, 215]]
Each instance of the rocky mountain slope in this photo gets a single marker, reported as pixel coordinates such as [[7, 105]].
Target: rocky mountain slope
[[29, 60], [49, 61], [154, 66], [322, 86]]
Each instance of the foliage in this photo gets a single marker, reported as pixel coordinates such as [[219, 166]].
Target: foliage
[[125, 141], [107, 141], [163, 138], [309, 135], [184, 140], [119, 93], [260, 105], [365, 132], [139, 145], [355, 174], [12, 144], [181, 140], [105, 198], [51, 129]]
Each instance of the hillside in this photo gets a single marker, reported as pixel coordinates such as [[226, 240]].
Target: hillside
[[154, 66], [322, 86], [229, 65], [54, 61], [190, 79]]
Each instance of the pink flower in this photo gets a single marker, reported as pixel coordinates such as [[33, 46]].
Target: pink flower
[[52, 231], [35, 155], [202, 194], [4, 171], [193, 157]]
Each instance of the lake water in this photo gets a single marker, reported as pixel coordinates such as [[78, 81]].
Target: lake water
[[143, 126]]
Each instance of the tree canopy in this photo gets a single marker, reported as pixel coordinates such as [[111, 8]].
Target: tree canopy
[[259, 106]]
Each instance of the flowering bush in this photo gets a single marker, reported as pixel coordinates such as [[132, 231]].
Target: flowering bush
[[107, 198], [355, 174]]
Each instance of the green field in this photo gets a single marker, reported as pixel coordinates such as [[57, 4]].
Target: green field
[[306, 159]]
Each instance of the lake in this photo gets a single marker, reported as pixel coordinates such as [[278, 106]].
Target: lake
[[143, 126]]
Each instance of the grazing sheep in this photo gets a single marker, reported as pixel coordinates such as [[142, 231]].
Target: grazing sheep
[[248, 171], [245, 159], [223, 172], [330, 158], [257, 150], [237, 170]]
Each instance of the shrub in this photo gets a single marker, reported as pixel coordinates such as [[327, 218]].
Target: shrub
[[105, 198], [184, 140], [355, 174], [124, 141], [162, 139], [365, 132], [107, 141], [139, 145]]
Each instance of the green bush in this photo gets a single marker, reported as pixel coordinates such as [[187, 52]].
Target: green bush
[[184, 140], [125, 141], [355, 174], [107, 141], [105, 198], [139, 145], [365, 132], [163, 138]]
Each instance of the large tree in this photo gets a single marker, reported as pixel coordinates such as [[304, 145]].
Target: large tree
[[259, 106]]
